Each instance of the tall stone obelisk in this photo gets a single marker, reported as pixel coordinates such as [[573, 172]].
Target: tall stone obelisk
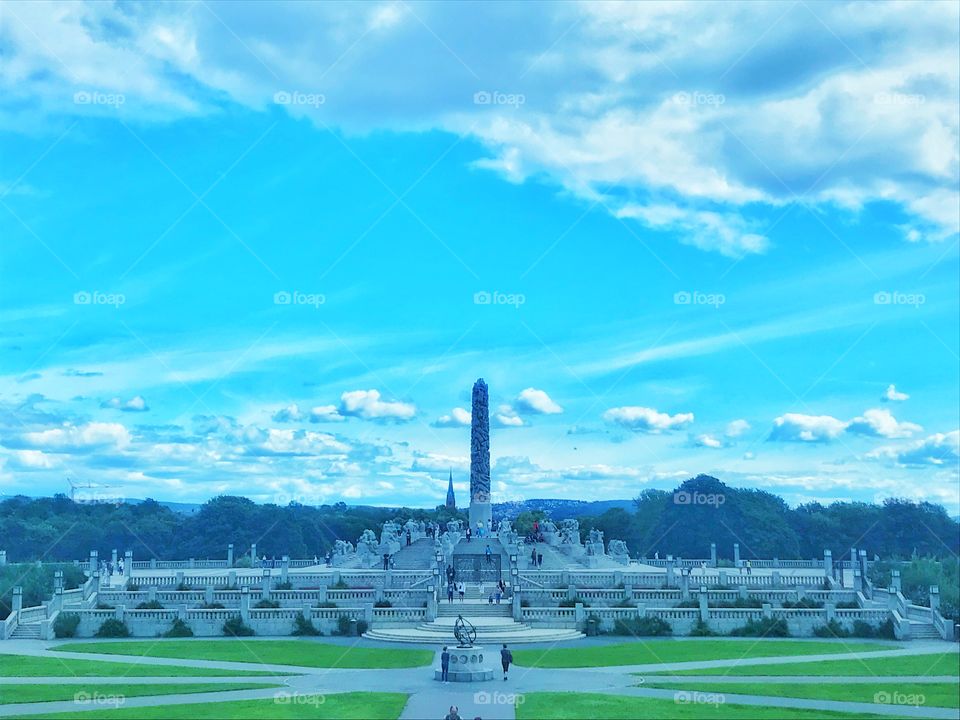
[[480, 458]]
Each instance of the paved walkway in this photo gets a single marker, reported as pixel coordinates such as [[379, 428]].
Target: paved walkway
[[494, 700]]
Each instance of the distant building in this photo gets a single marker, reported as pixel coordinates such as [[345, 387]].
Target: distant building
[[451, 499]]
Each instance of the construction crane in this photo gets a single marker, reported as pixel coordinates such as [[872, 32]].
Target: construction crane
[[89, 486]]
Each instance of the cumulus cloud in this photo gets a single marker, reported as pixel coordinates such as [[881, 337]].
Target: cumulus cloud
[[325, 413], [643, 419], [438, 462], [796, 427], [893, 395], [506, 417], [536, 402], [134, 404], [939, 449], [736, 428], [458, 417], [707, 441], [367, 404], [882, 423], [78, 438], [290, 413]]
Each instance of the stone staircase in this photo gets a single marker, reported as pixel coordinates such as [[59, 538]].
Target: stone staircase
[[490, 630], [26, 631], [921, 630], [416, 556]]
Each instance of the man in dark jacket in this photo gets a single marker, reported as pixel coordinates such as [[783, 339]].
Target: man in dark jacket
[[454, 713], [506, 657], [444, 664]]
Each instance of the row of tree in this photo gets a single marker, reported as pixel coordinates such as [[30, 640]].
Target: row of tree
[[684, 522]]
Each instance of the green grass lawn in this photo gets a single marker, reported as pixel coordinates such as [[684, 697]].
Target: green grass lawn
[[650, 652], [576, 706], [46, 693], [924, 694], [30, 666], [273, 652], [919, 665], [345, 706]]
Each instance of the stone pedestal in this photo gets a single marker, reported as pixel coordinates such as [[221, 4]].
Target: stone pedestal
[[470, 664]]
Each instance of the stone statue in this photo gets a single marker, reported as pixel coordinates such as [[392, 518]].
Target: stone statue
[[454, 526], [342, 548], [390, 533], [464, 632], [618, 547], [367, 543], [504, 527], [548, 526], [596, 536], [480, 444], [570, 531], [413, 528]]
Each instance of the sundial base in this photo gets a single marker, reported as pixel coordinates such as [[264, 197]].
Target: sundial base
[[467, 664]]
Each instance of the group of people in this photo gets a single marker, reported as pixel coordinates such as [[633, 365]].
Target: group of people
[[458, 588], [108, 567], [481, 531]]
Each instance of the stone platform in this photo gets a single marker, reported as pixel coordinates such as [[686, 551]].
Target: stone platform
[[467, 664]]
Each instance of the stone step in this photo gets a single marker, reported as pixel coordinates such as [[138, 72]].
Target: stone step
[[28, 631], [414, 635], [448, 628]]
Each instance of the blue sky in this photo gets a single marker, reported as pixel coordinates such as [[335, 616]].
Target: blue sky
[[267, 250]]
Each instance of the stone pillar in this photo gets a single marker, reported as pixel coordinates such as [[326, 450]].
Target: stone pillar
[[831, 611], [935, 598], [515, 604], [628, 593], [191, 563], [94, 561], [863, 562], [742, 592], [96, 581], [368, 614], [182, 612], [776, 562], [767, 610], [736, 554], [208, 594], [232, 579], [892, 600], [58, 580], [3, 558], [119, 611], [670, 571], [723, 578], [828, 563], [684, 586], [179, 578], [322, 594], [775, 578], [377, 594], [704, 605], [579, 614], [253, 555], [245, 603], [17, 605], [128, 564], [230, 555], [432, 604], [113, 556], [284, 568], [56, 603], [854, 558], [265, 592], [895, 583], [571, 592], [152, 593], [857, 580], [153, 563], [713, 554]]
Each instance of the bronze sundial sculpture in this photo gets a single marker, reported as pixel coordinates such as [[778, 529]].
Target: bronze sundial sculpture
[[465, 632]]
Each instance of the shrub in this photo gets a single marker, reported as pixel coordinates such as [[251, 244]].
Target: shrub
[[326, 604], [832, 629], [264, 604], [234, 627], [573, 603], [340, 585], [343, 625], [362, 627], [210, 606], [113, 628], [150, 605], [802, 603], [524, 603], [848, 605], [302, 627], [178, 629], [642, 627], [284, 586], [764, 627], [104, 606], [383, 604], [748, 602], [688, 604], [132, 586], [701, 629], [242, 562], [625, 603], [65, 626], [884, 630], [181, 587]]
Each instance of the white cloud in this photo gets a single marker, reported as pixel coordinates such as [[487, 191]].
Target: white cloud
[[644, 419], [134, 404], [290, 413], [707, 441], [79, 438], [506, 417], [796, 427], [882, 423], [325, 413], [458, 417], [939, 449], [438, 462], [30, 460], [536, 402], [893, 395], [367, 404], [736, 428]]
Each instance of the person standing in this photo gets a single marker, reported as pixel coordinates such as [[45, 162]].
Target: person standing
[[461, 590], [489, 554], [444, 665], [469, 533], [506, 657], [539, 560], [454, 714], [449, 592], [533, 556]]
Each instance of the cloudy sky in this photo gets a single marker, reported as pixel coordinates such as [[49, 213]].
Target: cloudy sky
[[266, 249]]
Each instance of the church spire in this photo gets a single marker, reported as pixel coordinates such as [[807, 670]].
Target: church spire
[[451, 499]]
